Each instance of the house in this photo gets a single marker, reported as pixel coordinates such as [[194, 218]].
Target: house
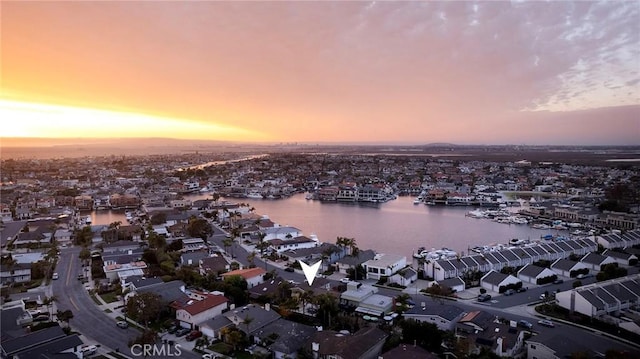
[[376, 305], [356, 293], [192, 258], [534, 274], [169, 291], [404, 276], [252, 317], [284, 338], [44, 343], [444, 316], [120, 246], [456, 284], [475, 321], [119, 271], [12, 318], [498, 282], [16, 273], [364, 344], [595, 261], [608, 297], [193, 244], [621, 258], [384, 265], [501, 339], [347, 262], [253, 276], [312, 254], [213, 264], [299, 242], [212, 328], [267, 289], [280, 233], [552, 345], [63, 236], [193, 312], [568, 268], [404, 351]]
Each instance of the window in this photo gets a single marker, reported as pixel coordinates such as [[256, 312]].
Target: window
[[533, 346]]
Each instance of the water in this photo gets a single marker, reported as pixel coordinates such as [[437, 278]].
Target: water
[[397, 226]]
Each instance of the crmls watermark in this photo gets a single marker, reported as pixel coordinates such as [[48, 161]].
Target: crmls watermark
[[153, 350]]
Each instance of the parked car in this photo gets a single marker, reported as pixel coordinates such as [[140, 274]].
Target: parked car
[[558, 281], [80, 277], [41, 318], [509, 292], [88, 350], [182, 332], [525, 324], [345, 280], [484, 297], [584, 276], [289, 269], [546, 323], [521, 289], [172, 329], [194, 335], [122, 324], [54, 276]]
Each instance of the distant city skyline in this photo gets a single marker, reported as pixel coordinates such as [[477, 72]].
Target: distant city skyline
[[329, 72]]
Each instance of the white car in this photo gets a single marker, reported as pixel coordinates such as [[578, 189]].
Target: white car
[[88, 350], [54, 276], [345, 280]]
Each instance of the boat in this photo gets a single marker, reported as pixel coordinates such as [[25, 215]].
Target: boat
[[87, 220], [416, 201], [444, 253], [254, 195]]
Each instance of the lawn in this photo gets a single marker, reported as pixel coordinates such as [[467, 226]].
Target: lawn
[[222, 348], [110, 297]]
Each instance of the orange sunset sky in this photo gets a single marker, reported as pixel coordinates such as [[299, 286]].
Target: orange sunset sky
[[390, 72]]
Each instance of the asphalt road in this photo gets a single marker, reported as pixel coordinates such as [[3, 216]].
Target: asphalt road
[[87, 319]]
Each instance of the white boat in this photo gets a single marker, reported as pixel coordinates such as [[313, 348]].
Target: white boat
[[255, 195], [476, 213], [87, 220], [444, 253]]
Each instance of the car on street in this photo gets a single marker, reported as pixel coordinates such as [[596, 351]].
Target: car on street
[[80, 277], [546, 323], [54, 276], [182, 332], [122, 324], [194, 335], [558, 281], [584, 276], [483, 297], [525, 324], [345, 280], [521, 289], [509, 292], [289, 269]]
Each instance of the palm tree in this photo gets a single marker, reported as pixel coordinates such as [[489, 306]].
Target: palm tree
[[306, 297], [250, 258], [261, 246], [227, 242]]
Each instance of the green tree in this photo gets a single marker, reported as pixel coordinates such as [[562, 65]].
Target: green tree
[[199, 227], [144, 307], [158, 218]]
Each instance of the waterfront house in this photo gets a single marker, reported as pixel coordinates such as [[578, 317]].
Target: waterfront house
[[253, 276], [444, 316], [596, 262], [347, 262], [456, 284], [364, 344], [621, 258], [497, 282], [568, 268], [299, 242], [404, 276], [534, 274], [384, 265], [193, 312], [440, 269], [282, 233]]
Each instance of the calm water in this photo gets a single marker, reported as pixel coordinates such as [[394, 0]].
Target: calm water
[[397, 226]]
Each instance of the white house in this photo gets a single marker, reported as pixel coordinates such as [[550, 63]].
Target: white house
[[532, 273], [253, 276], [404, 276], [595, 261], [299, 242], [17, 273], [444, 316], [194, 312], [568, 268], [384, 265], [493, 281], [621, 258], [456, 284], [281, 233], [601, 298]]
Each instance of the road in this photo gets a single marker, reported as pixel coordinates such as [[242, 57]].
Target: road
[[95, 325]]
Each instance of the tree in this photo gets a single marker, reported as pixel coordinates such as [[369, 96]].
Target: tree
[[158, 218], [64, 316], [199, 227], [48, 302], [144, 307], [84, 254]]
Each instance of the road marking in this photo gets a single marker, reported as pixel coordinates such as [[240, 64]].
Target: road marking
[[74, 304], [69, 270], [310, 271]]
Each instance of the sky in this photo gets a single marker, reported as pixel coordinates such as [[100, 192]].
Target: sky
[[485, 72]]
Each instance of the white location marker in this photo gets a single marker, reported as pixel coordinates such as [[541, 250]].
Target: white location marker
[[310, 271]]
